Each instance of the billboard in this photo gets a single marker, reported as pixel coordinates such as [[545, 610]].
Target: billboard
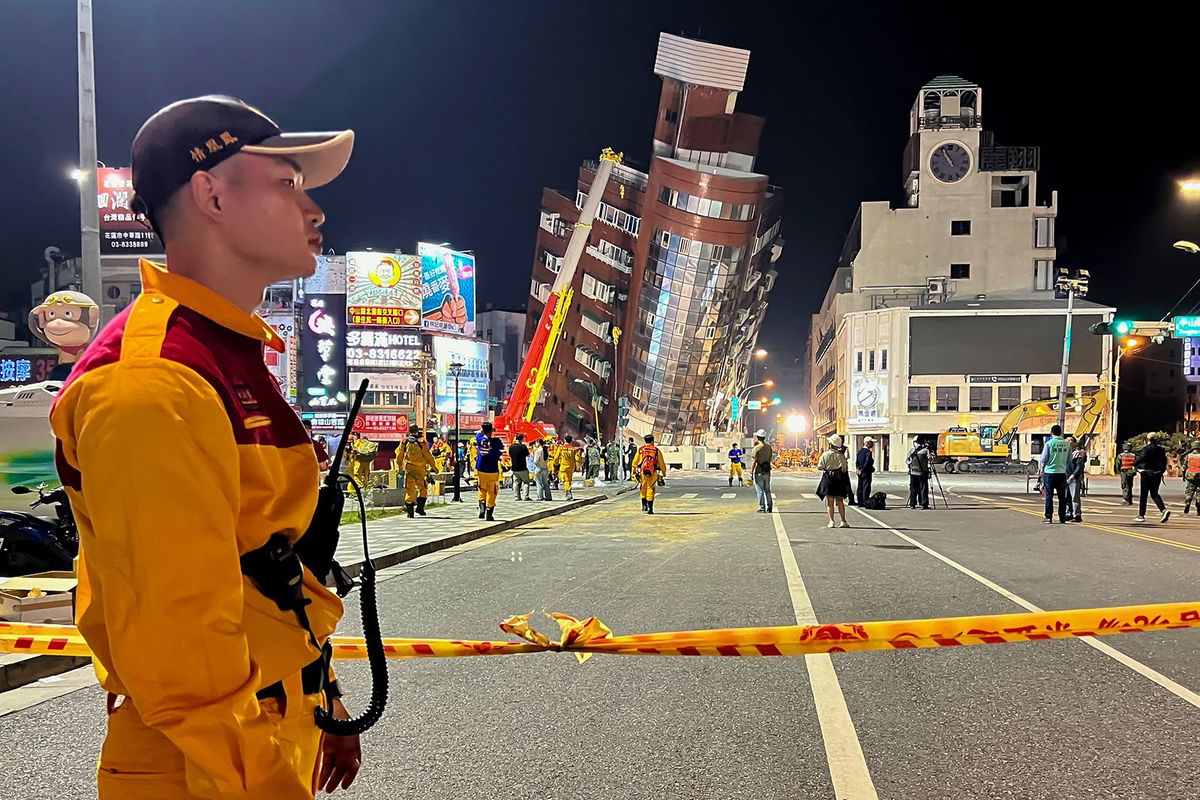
[[393, 426], [23, 368], [122, 231], [323, 353], [383, 289], [283, 365], [382, 349], [472, 380], [868, 402], [447, 289], [1014, 344]]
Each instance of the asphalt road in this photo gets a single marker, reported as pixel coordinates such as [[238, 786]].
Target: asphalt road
[[1052, 719]]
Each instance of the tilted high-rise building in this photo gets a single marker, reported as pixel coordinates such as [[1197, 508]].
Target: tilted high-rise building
[[678, 264]]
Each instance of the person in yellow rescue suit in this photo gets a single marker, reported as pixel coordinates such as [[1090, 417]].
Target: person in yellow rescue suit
[[362, 458], [567, 460], [415, 462], [648, 465], [1128, 471], [487, 470], [212, 688], [1191, 477]]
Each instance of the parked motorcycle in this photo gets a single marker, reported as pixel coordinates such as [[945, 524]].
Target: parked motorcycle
[[30, 543]]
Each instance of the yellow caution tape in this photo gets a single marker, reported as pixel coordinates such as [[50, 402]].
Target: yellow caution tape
[[587, 637]]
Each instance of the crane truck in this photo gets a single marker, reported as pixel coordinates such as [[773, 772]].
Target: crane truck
[[990, 448], [517, 416]]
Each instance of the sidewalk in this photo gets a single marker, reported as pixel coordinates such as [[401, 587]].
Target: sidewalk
[[396, 539], [393, 540]]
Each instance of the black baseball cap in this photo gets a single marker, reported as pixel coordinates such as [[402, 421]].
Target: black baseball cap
[[189, 136]]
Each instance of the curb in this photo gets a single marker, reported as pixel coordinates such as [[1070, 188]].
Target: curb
[[29, 669]]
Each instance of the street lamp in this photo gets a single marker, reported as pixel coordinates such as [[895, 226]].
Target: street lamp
[[760, 353], [1190, 186], [797, 424], [456, 370], [1187, 247]]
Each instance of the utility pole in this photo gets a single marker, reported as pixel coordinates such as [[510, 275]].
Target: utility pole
[[1072, 284], [89, 212]]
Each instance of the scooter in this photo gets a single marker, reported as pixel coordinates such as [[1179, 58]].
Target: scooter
[[30, 543]]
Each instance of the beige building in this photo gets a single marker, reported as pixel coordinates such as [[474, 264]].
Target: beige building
[[942, 311]]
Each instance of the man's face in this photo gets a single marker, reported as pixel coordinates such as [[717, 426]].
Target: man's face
[[268, 218]]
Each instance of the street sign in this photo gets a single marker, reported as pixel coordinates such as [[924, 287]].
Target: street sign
[[753, 405], [735, 408], [1186, 326]]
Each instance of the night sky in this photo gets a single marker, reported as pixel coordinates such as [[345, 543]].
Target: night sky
[[464, 110]]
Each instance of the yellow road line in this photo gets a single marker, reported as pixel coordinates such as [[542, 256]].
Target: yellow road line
[[1092, 525]]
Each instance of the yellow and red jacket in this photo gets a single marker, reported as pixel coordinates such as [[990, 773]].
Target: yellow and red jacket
[[567, 458], [179, 454], [1192, 465]]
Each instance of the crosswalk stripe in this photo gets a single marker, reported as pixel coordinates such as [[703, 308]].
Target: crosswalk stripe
[[728, 495], [688, 496], [809, 496], [894, 497]]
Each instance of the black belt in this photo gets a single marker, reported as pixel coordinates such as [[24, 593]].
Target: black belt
[[312, 679]]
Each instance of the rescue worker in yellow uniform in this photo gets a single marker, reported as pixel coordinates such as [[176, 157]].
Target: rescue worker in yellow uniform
[[211, 687], [1191, 477], [362, 459], [648, 465], [487, 470], [567, 461], [415, 462], [1126, 468], [735, 464]]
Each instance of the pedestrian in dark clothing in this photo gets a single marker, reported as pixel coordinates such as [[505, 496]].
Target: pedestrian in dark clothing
[[1124, 466], [630, 452], [1076, 465], [864, 465], [518, 453], [1152, 465], [1056, 455], [918, 475]]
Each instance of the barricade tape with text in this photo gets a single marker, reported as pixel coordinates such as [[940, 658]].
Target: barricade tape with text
[[587, 637]]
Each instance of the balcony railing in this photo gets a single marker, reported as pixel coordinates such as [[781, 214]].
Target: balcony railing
[[826, 379], [935, 123], [634, 180], [826, 340], [595, 253]]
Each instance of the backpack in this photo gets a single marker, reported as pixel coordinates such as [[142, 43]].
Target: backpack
[[876, 502]]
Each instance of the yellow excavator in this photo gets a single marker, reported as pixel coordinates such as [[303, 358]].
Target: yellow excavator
[[986, 448]]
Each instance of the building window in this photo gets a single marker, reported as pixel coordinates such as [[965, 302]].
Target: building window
[[960, 227], [871, 361], [613, 216], [1039, 393], [1043, 272], [1043, 231], [883, 359], [597, 289], [981, 398], [858, 361], [671, 115], [1036, 442], [918, 398], [947, 398], [553, 263], [706, 207], [1009, 398], [960, 270], [1010, 191]]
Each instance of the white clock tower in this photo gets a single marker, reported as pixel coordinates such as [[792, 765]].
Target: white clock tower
[[944, 129]]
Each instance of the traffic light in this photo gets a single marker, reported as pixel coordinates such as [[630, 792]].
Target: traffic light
[[622, 412], [1118, 327], [776, 400]]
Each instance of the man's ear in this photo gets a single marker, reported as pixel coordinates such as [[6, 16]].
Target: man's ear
[[204, 191]]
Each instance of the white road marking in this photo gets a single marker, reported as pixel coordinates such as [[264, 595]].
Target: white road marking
[[843, 752], [688, 496], [1182, 692], [895, 497], [809, 496], [728, 495]]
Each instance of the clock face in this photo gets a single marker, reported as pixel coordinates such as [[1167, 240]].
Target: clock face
[[950, 162]]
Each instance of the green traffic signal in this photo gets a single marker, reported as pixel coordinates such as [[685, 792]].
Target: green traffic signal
[[1122, 326], [1118, 327]]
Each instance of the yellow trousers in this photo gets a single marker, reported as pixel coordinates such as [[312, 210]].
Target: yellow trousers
[[735, 471], [564, 477], [489, 485], [649, 485], [360, 471], [415, 486], [139, 763]]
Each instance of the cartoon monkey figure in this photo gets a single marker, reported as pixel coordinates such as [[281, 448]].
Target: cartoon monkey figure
[[66, 320]]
